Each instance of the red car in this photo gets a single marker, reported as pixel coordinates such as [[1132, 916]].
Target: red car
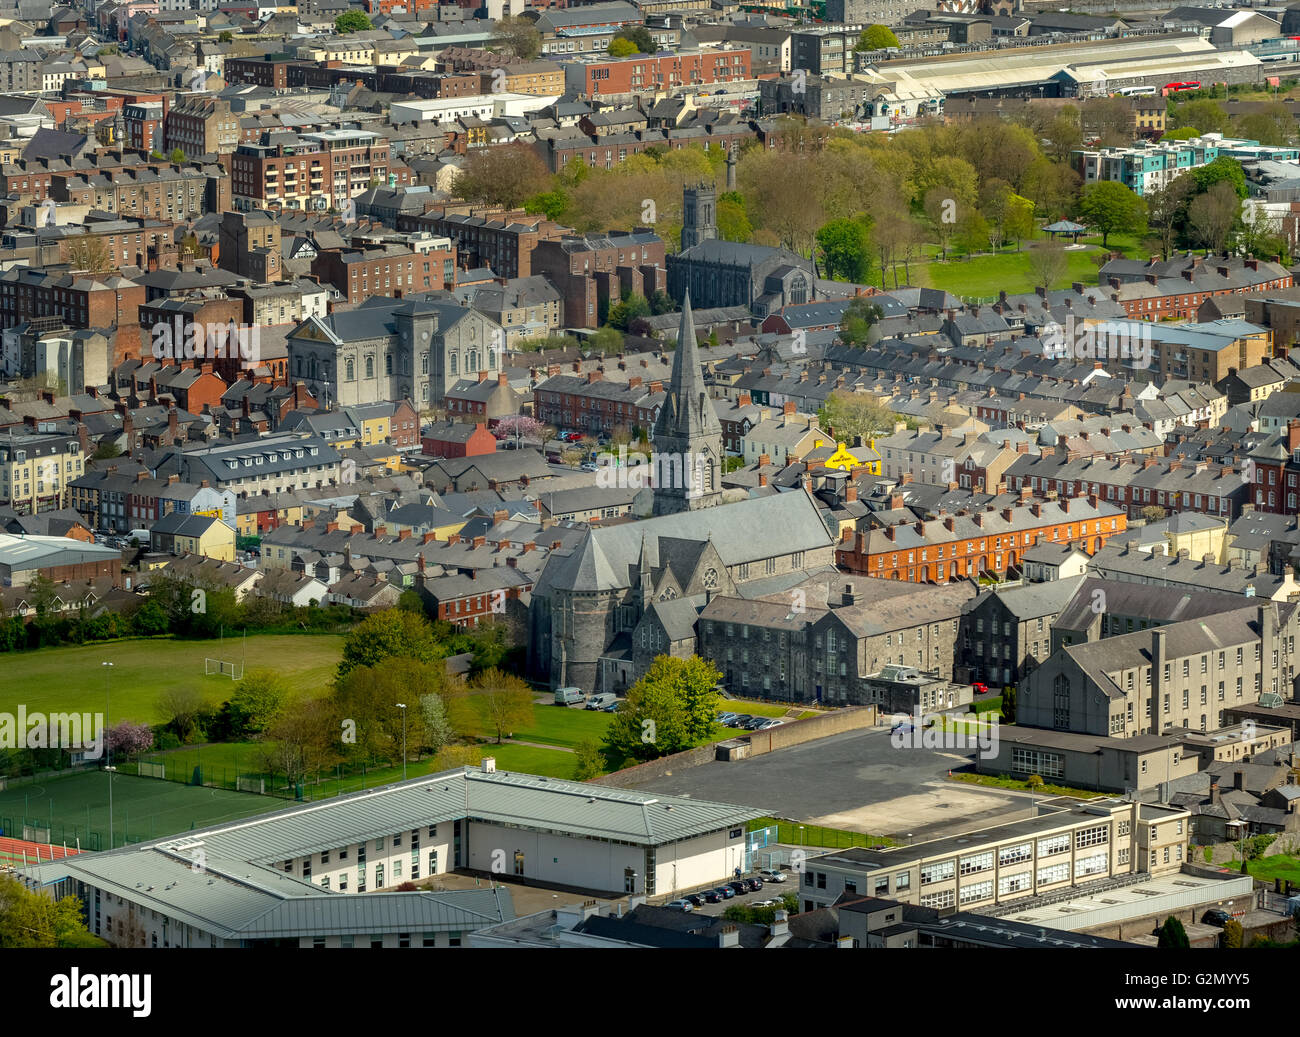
[[980, 687]]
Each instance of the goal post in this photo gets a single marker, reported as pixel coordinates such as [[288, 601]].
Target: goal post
[[223, 668]]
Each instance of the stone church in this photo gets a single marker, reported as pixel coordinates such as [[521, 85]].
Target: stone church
[[632, 591], [731, 273]]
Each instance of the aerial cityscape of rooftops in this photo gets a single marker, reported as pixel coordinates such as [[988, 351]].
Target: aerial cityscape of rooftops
[[675, 474]]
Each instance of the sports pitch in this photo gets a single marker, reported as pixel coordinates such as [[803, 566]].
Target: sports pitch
[[73, 679], [143, 808]]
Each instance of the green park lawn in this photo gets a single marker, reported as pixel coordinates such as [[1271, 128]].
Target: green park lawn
[[982, 277], [565, 726], [1277, 866], [73, 679]]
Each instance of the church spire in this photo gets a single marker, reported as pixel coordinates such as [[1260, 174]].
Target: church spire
[[687, 431]]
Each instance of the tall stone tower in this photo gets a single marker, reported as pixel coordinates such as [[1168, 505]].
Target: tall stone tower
[[699, 214], [731, 168], [687, 436]]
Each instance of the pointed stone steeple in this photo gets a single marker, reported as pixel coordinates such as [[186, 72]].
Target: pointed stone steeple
[[687, 435]]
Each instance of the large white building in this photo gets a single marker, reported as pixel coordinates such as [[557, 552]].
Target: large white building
[[321, 874]]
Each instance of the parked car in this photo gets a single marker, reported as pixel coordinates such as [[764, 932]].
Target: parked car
[[611, 708], [589, 466], [569, 697], [694, 899], [769, 723], [604, 699], [773, 876], [754, 723], [753, 883], [1216, 916], [980, 687], [680, 905], [739, 887], [712, 896], [738, 720], [725, 718], [726, 891]]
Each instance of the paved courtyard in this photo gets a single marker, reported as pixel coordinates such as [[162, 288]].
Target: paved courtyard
[[856, 781]]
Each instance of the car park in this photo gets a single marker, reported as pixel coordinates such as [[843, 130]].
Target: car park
[[680, 905]]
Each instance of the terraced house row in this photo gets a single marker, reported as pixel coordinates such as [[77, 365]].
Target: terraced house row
[[971, 543]]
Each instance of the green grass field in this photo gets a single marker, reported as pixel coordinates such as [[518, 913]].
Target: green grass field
[[1277, 866], [791, 833], [73, 679], [76, 807], [565, 726], [982, 277]]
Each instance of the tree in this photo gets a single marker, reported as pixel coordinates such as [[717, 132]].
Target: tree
[[1167, 209], [846, 249], [849, 415], [438, 731], [107, 450], [89, 253], [518, 426], [177, 156], [300, 741], [652, 722], [181, 706], [1182, 133], [1273, 125], [623, 313], [941, 210], [876, 37], [1108, 119], [590, 762], [504, 175], [733, 220], [32, 919], [367, 702], [1154, 513], [858, 324], [1212, 216], [1019, 221], [352, 21], [127, 739], [1221, 169], [1009, 706], [639, 36], [258, 700], [621, 48], [392, 632], [1063, 134], [1112, 208], [1172, 935], [519, 36], [1232, 934], [505, 701], [1206, 115], [972, 232], [226, 36]]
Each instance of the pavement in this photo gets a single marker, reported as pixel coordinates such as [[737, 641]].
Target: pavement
[[856, 781]]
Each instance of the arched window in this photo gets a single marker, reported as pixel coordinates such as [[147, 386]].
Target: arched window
[[492, 359], [370, 366], [424, 392], [454, 361], [471, 364], [352, 371], [388, 363], [424, 363]]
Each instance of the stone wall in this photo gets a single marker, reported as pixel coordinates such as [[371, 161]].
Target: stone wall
[[792, 732]]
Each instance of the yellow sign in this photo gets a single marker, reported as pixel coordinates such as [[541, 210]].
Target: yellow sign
[[843, 459], [210, 513]]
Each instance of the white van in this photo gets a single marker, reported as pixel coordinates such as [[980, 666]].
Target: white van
[[602, 700], [569, 697]]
